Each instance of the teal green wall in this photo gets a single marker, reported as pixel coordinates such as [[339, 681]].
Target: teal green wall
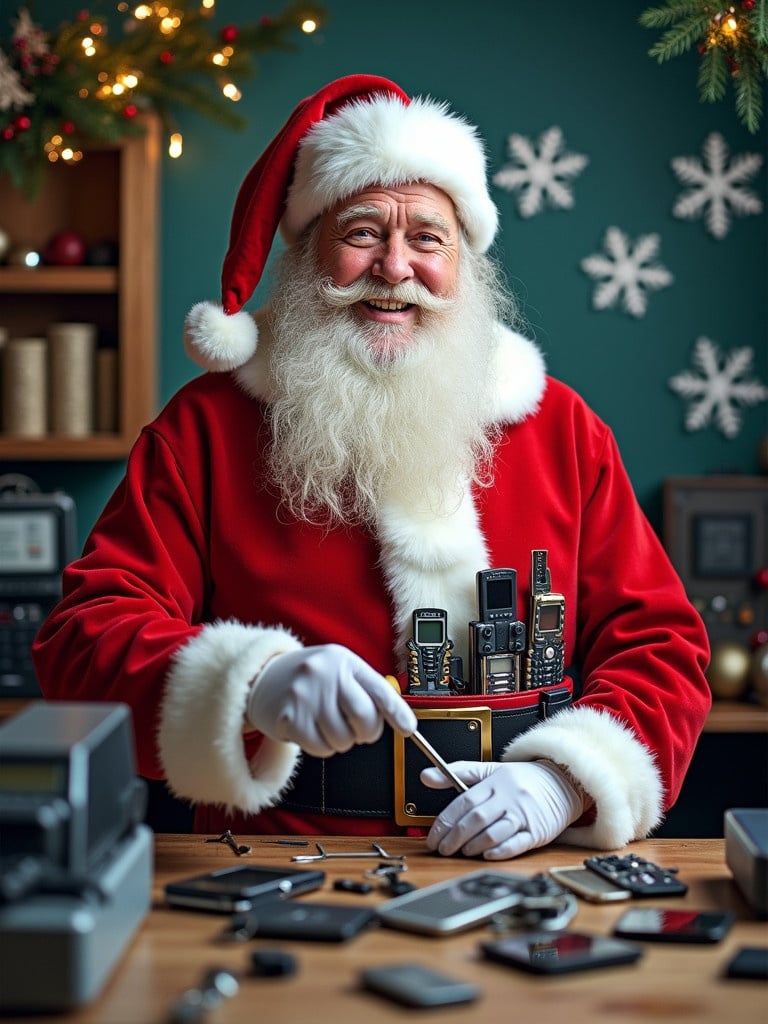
[[514, 67]]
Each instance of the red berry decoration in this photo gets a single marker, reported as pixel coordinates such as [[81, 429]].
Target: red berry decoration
[[22, 123], [229, 33], [8, 133], [68, 128], [130, 111], [166, 57], [747, 5]]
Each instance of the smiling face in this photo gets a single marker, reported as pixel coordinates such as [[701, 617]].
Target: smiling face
[[400, 246]]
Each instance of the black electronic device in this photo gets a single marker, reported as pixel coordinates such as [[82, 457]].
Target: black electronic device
[[429, 657], [411, 984], [311, 922], [37, 540], [656, 924], [749, 962], [454, 905], [560, 952], [642, 877], [589, 885], [716, 534], [545, 659], [240, 888], [497, 638]]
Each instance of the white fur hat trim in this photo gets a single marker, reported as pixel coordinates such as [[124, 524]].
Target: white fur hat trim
[[382, 141]]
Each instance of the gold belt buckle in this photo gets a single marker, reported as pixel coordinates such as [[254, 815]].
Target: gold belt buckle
[[476, 721]]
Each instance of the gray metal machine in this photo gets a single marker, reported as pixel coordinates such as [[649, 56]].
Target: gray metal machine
[[75, 858]]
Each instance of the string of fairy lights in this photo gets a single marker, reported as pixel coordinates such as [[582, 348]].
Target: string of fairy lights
[[59, 90]]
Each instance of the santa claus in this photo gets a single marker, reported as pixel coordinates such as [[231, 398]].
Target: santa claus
[[357, 450]]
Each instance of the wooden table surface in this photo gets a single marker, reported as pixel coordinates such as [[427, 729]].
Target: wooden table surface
[[671, 983]]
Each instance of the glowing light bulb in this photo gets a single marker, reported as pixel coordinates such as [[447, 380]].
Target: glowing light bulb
[[143, 11], [231, 91], [175, 145], [219, 60], [309, 25]]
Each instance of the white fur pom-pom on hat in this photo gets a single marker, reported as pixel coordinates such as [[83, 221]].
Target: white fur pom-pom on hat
[[219, 341]]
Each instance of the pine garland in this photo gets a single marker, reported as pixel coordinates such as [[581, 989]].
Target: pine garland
[[51, 89], [732, 42]]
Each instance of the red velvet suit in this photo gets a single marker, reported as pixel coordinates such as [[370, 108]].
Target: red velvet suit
[[192, 567]]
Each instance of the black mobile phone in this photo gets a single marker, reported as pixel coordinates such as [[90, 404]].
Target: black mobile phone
[[239, 888], [429, 651], [316, 922], [546, 651], [416, 985], [560, 952], [589, 885], [498, 638], [654, 924], [453, 905], [749, 962]]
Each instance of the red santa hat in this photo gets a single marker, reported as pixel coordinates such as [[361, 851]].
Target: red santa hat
[[357, 131]]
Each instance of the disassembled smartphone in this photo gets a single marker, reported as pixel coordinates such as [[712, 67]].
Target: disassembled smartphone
[[560, 952], [654, 924], [453, 905], [589, 885], [642, 877], [238, 888], [416, 985]]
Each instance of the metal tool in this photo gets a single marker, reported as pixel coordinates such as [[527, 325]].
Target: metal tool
[[322, 854], [429, 751]]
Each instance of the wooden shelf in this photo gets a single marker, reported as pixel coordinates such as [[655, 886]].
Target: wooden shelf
[[111, 196], [73, 280], [736, 716]]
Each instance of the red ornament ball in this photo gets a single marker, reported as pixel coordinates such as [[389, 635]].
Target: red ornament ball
[[8, 133], [130, 111], [747, 5], [229, 33], [65, 249], [68, 127], [166, 57], [22, 123]]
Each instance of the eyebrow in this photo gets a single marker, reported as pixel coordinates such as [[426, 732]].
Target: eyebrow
[[358, 212]]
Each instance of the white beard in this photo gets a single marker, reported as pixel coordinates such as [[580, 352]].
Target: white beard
[[351, 428]]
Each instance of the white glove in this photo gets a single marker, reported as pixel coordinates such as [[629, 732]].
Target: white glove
[[509, 808], [326, 699]]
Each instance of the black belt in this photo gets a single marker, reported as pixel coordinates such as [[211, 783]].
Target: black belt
[[381, 779]]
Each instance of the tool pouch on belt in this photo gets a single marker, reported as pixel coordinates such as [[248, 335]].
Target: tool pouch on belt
[[382, 779]]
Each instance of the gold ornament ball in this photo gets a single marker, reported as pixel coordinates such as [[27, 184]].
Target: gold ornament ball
[[729, 671], [759, 673]]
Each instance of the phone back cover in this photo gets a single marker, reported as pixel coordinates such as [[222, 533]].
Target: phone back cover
[[317, 922]]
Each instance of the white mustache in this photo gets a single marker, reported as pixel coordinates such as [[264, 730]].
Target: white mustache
[[341, 296]]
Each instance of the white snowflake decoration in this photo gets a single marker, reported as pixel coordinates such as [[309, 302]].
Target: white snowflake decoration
[[626, 274], [718, 392], [716, 188], [538, 178]]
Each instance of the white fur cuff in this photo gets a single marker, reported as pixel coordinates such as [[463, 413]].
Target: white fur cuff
[[200, 732], [612, 766]]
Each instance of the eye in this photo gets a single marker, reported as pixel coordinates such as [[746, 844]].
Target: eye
[[361, 235]]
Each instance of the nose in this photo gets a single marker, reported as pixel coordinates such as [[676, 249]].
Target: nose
[[393, 263]]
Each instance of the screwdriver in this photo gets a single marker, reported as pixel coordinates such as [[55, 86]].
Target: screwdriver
[[429, 751]]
